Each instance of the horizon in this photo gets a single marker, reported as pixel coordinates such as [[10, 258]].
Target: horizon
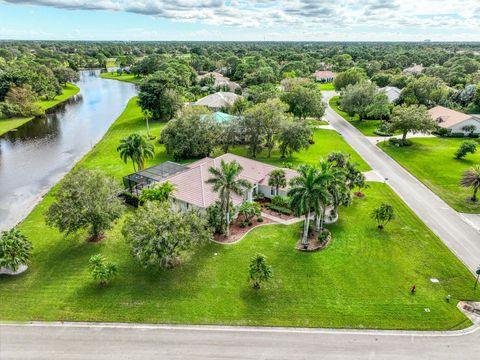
[[241, 20]]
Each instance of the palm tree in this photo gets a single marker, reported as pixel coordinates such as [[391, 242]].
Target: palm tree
[[277, 179], [259, 271], [471, 178], [304, 192], [225, 181], [136, 148], [332, 191], [383, 214]]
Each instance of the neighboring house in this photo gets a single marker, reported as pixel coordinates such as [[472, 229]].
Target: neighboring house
[[454, 121], [218, 100], [191, 188], [414, 70], [221, 81], [325, 76], [392, 92]]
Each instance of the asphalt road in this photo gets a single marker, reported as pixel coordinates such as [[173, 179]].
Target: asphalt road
[[462, 239], [84, 342]]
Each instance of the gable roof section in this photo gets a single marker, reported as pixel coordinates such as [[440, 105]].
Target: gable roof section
[[217, 100], [447, 118], [191, 187], [392, 92]]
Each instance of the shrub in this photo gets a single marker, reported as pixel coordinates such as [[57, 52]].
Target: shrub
[[281, 201], [260, 219], [280, 209], [383, 130], [443, 132], [399, 142], [457, 135], [323, 235], [15, 249], [469, 146]]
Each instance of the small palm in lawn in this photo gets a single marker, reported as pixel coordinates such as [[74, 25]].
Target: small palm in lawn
[[259, 271], [15, 249], [304, 193], [136, 148], [383, 215], [225, 181], [102, 270], [277, 179], [471, 179]]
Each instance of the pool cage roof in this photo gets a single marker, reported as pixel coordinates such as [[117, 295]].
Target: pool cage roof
[[137, 181]]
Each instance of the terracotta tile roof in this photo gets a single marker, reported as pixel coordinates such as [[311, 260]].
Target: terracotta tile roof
[[446, 117], [325, 74], [191, 187]]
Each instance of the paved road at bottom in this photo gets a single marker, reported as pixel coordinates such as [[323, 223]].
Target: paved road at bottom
[[45, 342], [462, 239]]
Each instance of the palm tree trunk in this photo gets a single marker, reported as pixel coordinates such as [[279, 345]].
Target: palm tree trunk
[[305, 229], [474, 197], [227, 216], [317, 222], [322, 217], [133, 163]]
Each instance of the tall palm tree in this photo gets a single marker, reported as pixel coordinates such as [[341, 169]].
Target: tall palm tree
[[225, 181], [304, 192], [471, 178], [136, 148], [329, 176], [277, 179]]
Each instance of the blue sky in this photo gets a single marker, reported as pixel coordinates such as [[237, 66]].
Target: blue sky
[[318, 20]]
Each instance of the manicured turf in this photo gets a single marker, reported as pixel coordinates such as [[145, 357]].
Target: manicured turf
[[366, 127], [431, 160], [326, 87], [9, 124], [124, 77], [325, 142], [361, 280]]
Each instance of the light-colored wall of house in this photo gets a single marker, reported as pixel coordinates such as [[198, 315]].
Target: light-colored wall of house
[[457, 128], [267, 191]]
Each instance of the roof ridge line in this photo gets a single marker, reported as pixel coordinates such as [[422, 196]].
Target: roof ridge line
[[203, 183]]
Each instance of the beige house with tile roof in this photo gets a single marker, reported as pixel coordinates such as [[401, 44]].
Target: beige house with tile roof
[[454, 121], [191, 189]]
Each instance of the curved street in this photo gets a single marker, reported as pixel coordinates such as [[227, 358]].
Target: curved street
[[462, 239]]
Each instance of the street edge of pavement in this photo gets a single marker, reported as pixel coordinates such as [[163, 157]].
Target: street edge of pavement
[[265, 329]]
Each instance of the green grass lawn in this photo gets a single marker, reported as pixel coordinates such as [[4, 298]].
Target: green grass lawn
[[124, 77], [326, 87], [367, 127], [361, 280], [67, 92], [326, 141], [431, 160]]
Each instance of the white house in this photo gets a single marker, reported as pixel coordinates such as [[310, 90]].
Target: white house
[[392, 92], [218, 100], [454, 121]]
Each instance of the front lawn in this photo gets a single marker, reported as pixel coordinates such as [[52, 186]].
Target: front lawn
[[9, 124], [326, 141], [326, 87], [361, 280], [367, 127], [431, 160]]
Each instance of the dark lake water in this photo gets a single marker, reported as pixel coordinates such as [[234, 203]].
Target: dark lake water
[[42, 151]]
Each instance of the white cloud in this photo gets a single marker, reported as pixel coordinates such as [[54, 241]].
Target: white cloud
[[312, 15]]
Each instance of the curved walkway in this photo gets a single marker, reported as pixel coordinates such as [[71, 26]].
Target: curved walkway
[[462, 239]]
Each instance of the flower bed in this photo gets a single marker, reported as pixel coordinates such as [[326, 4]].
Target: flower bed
[[237, 231]]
